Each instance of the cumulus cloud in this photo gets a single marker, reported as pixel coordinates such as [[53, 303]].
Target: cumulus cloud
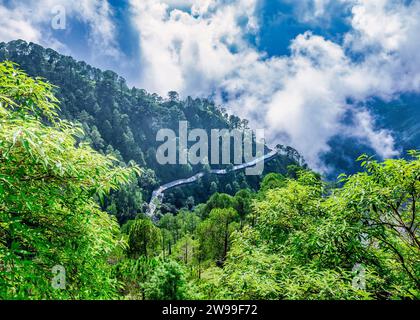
[[387, 33], [179, 49], [202, 48], [301, 99], [15, 24], [31, 21]]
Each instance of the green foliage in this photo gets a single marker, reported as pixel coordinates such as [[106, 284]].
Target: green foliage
[[250, 271], [48, 215], [176, 227], [124, 121], [218, 201], [126, 203], [133, 276], [168, 282], [304, 241], [385, 200], [144, 238], [186, 250], [243, 202], [272, 181], [214, 234], [297, 238]]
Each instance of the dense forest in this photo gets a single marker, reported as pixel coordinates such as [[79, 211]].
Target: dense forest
[[285, 235], [124, 122]]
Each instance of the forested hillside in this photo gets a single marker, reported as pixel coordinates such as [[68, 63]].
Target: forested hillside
[[124, 121], [295, 238]]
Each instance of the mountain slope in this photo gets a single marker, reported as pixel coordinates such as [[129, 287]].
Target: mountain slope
[[125, 121]]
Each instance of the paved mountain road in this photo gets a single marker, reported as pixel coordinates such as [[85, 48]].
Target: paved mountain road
[[158, 194]]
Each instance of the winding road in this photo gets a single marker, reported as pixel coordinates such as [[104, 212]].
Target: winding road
[[158, 194]]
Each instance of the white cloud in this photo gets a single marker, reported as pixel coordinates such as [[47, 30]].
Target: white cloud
[[98, 15], [201, 47], [191, 53], [14, 24], [381, 140], [31, 21], [389, 31], [300, 99], [11, 29]]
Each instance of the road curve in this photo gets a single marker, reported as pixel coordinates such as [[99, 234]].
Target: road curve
[[158, 194]]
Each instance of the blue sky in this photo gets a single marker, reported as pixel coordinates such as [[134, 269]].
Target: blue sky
[[299, 69], [280, 22]]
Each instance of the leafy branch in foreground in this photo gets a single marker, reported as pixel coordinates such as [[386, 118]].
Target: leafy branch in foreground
[[48, 184]]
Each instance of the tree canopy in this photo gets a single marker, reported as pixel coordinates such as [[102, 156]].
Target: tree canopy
[[48, 183], [285, 235]]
